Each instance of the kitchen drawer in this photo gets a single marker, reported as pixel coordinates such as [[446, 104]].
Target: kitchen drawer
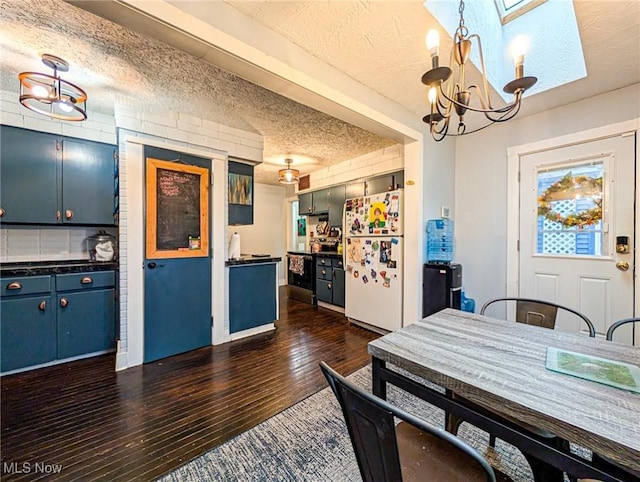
[[87, 280], [322, 261], [24, 285], [323, 272], [337, 263]]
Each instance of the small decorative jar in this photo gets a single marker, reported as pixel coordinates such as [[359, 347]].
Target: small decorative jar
[[101, 247]]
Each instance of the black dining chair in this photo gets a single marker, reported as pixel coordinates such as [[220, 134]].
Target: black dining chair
[[539, 312], [530, 312], [618, 324], [412, 450], [596, 457]]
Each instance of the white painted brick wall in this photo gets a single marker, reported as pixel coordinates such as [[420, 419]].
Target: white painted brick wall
[[98, 127], [386, 160], [39, 243]]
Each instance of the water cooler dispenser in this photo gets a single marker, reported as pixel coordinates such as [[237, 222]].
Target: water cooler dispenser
[[441, 287], [439, 241]]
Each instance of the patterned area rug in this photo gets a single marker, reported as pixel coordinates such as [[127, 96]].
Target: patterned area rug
[[309, 442]]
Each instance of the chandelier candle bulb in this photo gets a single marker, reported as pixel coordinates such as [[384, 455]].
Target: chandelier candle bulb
[[433, 45], [518, 49], [433, 95]]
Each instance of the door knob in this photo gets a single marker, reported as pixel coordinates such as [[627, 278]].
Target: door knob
[[68, 214], [64, 302], [622, 265]]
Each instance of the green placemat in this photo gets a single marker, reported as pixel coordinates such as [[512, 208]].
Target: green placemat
[[609, 372]]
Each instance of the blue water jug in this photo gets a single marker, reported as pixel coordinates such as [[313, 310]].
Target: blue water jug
[[467, 304], [439, 241]]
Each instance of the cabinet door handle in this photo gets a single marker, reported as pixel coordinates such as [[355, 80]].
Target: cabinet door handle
[[86, 280], [64, 302], [324, 272], [58, 215], [43, 305], [2, 211], [14, 285], [329, 285], [68, 214]]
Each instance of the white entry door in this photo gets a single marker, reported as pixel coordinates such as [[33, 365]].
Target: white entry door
[[576, 217]]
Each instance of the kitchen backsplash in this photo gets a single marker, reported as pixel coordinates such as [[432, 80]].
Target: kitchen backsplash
[[45, 244]]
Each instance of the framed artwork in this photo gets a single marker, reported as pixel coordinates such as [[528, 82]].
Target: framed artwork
[[302, 227], [240, 189]]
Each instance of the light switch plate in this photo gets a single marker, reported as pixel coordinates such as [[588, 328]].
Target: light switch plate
[[444, 212]]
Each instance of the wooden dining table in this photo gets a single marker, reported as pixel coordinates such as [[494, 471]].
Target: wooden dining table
[[500, 365]]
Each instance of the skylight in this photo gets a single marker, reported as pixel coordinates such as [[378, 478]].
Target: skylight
[[512, 9], [550, 30]]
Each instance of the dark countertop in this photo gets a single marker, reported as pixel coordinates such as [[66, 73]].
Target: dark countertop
[[319, 254], [328, 254], [248, 259], [33, 268]]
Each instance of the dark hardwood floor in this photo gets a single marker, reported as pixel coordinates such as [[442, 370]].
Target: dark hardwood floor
[[140, 423]]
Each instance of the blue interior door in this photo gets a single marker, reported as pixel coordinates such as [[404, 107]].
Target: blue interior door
[[177, 289]]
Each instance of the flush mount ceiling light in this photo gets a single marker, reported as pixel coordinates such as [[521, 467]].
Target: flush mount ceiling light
[[288, 175], [50, 95], [448, 92]]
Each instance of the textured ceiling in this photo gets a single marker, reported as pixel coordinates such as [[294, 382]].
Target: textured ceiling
[[107, 59], [378, 43], [381, 44]]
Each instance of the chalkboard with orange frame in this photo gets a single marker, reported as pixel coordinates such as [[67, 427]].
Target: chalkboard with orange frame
[[177, 210]]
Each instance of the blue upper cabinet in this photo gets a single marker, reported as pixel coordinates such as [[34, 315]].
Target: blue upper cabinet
[[50, 179], [28, 176], [87, 182]]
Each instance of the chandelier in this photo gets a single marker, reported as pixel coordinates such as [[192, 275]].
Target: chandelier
[[447, 90], [50, 95], [288, 175]]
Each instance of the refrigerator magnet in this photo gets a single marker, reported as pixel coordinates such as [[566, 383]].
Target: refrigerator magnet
[[391, 265], [356, 274], [365, 280], [387, 283], [373, 274], [394, 240]]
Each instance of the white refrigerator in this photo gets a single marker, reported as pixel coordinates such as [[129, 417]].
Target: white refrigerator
[[373, 254]]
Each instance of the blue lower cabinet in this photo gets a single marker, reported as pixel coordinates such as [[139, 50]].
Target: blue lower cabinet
[[324, 290], [252, 296], [338, 287], [53, 317], [28, 332], [86, 322], [330, 280]]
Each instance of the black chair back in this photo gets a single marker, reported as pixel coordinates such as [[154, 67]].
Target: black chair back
[[539, 312], [370, 421], [619, 323]]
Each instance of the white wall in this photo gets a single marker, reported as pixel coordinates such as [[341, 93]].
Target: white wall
[[267, 234], [382, 161], [481, 181]]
